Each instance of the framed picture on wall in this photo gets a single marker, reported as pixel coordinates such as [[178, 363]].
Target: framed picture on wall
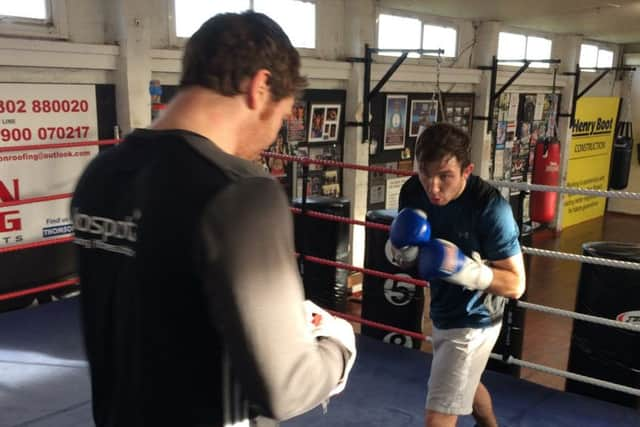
[[296, 122], [395, 122], [316, 153], [458, 110], [324, 122], [423, 113]]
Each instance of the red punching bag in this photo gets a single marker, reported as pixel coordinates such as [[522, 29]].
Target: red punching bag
[[546, 171]]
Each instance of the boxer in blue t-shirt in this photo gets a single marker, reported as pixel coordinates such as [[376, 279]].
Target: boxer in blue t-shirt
[[460, 234]]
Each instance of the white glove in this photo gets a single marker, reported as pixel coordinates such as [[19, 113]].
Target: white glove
[[323, 324], [404, 258]]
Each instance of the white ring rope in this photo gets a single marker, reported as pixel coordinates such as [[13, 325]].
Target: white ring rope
[[589, 380], [565, 313], [582, 258], [580, 316], [568, 190], [565, 374]]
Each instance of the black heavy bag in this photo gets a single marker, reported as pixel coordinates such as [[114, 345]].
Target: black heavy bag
[[600, 351], [395, 303], [324, 285], [621, 158]]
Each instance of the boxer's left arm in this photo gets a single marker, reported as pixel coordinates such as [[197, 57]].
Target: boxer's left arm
[[501, 249], [508, 277]]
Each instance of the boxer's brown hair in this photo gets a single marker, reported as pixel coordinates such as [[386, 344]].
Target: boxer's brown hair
[[442, 140]]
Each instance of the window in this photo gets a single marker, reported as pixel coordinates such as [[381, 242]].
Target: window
[[519, 46], [397, 32], [435, 37], [591, 56], [511, 46], [296, 17], [34, 18], [33, 9], [411, 33], [190, 14]]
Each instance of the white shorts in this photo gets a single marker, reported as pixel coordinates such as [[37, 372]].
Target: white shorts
[[459, 358]]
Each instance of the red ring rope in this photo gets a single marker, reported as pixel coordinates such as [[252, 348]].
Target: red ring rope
[[32, 245], [340, 265], [315, 214], [307, 160], [343, 219], [59, 145], [36, 200], [75, 281], [378, 325], [368, 271], [38, 289]]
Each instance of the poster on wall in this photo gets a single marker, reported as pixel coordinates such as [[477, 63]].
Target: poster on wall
[[40, 114], [323, 180], [393, 191], [325, 122], [279, 167], [395, 122], [378, 185], [589, 155], [424, 113], [500, 147], [296, 122], [330, 184], [458, 110], [317, 153]]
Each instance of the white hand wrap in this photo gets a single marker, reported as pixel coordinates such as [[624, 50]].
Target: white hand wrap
[[323, 324], [404, 258], [474, 274]]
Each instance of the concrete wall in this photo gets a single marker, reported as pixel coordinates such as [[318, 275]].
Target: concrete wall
[[96, 30]]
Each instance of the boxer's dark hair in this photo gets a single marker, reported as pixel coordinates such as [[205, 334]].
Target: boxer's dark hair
[[230, 48], [440, 141]]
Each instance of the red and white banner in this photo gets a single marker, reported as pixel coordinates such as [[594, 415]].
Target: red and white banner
[[36, 114]]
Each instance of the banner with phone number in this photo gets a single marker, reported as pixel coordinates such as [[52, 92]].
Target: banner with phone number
[[36, 114]]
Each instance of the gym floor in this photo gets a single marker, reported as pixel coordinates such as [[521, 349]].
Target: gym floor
[[553, 282]]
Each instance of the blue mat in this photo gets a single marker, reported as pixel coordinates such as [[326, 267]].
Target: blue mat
[[44, 382]]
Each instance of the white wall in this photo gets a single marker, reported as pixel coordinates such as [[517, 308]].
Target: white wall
[[43, 61], [74, 50], [94, 25], [86, 21], [161, 21]]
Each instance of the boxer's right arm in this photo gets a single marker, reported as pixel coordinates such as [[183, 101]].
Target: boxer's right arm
[[256, 300]]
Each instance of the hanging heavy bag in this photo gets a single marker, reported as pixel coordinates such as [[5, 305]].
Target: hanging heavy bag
[[621, 158], [546, 171]]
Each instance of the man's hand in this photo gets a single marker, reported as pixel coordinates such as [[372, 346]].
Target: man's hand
[[324, 325]]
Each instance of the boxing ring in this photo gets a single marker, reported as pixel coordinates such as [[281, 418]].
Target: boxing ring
[[44, 375], [44, 381]]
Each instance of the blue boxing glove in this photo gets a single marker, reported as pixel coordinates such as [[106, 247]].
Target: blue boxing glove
[[442, 259], [409, 230]]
